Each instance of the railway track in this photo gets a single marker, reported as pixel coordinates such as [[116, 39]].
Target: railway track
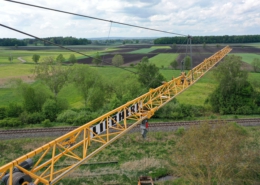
[[55, 131]]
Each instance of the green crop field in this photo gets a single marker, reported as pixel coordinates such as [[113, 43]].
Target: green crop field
[[15, 70], [257, 45], [27, 55], [142, 51], [161, 47], [163, 59], [248, 57], [198, 93]]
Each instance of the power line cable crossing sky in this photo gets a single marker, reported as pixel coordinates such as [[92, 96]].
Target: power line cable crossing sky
[[194, 17]]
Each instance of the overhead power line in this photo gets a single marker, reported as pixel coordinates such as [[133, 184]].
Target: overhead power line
[[126, 24]]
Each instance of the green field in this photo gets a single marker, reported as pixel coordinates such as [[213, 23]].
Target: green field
[[142, 51], [27, 55], [195, 95], [69, 92], [257, 45], [163, 59], [198, 93], [248, 57], [161, 47], [15, 70]]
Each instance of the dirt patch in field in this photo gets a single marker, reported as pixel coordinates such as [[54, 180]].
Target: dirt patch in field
[[128, 58], [5, 82], [247, 67]]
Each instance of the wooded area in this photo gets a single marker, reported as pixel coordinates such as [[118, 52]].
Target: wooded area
[[56, 40], [209, 39]]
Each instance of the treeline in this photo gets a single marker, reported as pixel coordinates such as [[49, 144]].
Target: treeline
[[12, 42], [56, 40], [67, 41], [210, 39]]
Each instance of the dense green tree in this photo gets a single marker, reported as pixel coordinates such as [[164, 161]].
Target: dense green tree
[[72, 59], [174, 64], [14, 110], [118, 60], [256, 64], [234, 93], [33, 98], [55, 76], [149, 75], [90, 85], [97, 59], [51, 108], [36, 58], [187, 62], [10, 58], [3, 112], [125, 88], [60, 58], [145, 59]]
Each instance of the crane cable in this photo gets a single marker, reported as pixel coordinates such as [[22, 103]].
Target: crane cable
[[91, 17]]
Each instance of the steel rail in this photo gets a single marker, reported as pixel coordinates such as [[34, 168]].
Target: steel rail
[[153, 124]]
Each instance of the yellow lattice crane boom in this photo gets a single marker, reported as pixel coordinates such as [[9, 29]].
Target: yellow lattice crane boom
[[74, 147]]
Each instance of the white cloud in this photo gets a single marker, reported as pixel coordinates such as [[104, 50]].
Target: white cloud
[[195, 17]]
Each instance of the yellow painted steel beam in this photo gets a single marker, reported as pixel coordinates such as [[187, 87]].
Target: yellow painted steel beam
[[75, 146]]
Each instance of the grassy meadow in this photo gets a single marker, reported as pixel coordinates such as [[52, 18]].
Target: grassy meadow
[[195, 95], [27, 54], [163, 59], [142, 51], [248, 57], [133, 156]]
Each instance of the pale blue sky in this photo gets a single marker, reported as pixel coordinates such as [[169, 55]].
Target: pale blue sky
[[195, 17]]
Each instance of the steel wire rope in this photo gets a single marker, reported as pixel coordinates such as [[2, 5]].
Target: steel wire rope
[[91, 17]]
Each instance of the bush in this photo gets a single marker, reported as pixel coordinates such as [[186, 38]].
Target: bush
[[51, 108], [180, 131], [10, 122], [84, 117], [23, 117], [174, 110], [3, 112], [35, 118], [67, 116], [245, 110], [14, 110], [47, 123]]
